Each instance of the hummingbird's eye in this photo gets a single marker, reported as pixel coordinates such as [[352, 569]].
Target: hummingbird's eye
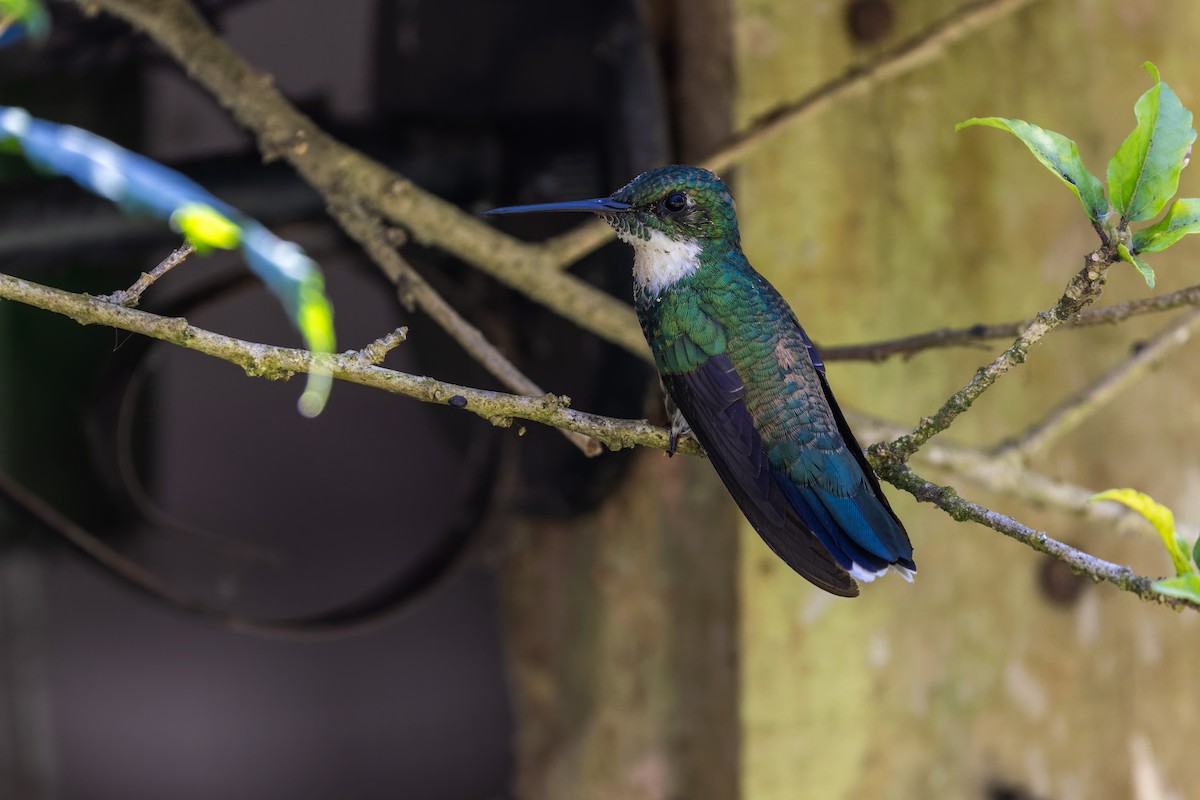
[[675, 202]]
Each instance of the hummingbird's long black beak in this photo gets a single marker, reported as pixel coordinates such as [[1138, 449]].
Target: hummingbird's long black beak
[[598, 205]]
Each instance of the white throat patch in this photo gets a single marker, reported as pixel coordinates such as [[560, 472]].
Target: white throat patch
[[660, 261]]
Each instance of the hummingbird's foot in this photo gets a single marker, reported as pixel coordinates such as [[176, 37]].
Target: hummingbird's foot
[[679, 429], [679, 425]]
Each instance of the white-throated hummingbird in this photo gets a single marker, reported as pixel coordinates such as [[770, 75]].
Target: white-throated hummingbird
[[743, 377]]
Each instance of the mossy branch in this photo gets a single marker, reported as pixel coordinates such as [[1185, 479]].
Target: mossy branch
[[901, 476], [1082, 290], [281, 363]]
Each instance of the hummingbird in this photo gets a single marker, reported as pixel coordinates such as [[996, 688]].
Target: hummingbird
[[741, 376]]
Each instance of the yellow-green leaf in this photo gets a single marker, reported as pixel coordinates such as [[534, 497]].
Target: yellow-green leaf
[[1058, 154], [1160, 517]]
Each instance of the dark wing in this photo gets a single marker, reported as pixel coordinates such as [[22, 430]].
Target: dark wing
[[711, 399], [870, 532]]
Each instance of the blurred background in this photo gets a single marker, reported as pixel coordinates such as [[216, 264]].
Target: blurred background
[[461, 612]]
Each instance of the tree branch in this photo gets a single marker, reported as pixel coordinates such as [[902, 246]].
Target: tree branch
[[1083, 404], [341, 174], [131, 296], [901, 475], [1084, 288], [1011, 478], [367, 230], [361, 367], [283, 132], [280, 363], [978, 335]]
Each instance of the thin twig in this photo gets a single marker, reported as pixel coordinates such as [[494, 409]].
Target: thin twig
[[369, 233], [909, 55], [978, 335], [1084, 288], [945, 498], [1083, 404], [377, 351], [883, 349], [130, 297], [1013, 479]]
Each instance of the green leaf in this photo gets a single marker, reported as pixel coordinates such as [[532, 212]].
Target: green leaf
[[1160, 517], [1184, 586], [1144, 172], [1142, 267], [1058, 154], [1182, 218]]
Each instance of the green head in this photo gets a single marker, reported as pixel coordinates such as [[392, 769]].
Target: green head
[[682, 202], [685, 204]]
